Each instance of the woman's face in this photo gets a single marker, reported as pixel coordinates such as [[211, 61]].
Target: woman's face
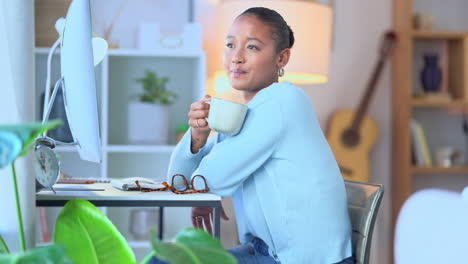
[[250, 58]]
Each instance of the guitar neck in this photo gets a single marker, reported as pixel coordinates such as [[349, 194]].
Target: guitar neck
[[364, 104]]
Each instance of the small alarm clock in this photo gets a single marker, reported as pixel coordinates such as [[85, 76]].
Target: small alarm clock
[[47, 166]]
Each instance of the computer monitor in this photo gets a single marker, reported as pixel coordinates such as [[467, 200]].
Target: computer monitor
[[79, 90], [78, 78]]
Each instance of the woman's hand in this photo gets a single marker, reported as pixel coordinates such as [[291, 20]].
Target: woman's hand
[[197, 114], [200, 129], [203, 216]]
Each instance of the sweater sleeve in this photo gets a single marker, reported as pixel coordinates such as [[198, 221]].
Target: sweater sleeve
[[231, 161], [183, 161]]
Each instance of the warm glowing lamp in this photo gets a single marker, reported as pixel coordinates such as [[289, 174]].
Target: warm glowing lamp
[[311, 24]]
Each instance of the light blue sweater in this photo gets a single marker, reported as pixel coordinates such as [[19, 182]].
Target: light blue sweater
[[284, 181]]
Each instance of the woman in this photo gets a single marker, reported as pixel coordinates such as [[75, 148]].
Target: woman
[[288, 194]]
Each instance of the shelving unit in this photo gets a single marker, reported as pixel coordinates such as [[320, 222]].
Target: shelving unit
[[440, 170], [448, 35], [115, 80], [452, 104], [434, 114]]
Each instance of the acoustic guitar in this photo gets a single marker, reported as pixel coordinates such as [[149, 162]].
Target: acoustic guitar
[[352, 134]]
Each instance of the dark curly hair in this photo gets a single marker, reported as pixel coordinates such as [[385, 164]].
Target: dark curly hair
[[282, 33]]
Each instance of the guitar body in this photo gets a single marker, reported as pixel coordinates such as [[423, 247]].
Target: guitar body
[[353, 160]]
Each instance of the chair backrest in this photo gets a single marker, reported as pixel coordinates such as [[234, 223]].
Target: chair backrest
[[363, 204]]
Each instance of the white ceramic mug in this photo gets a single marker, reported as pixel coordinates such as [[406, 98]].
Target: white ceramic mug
[[225, 116]]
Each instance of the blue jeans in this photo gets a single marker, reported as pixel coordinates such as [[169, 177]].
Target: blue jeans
[[254, 252], [350, 260]]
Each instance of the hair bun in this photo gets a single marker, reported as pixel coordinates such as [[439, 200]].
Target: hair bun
[[291, 37]]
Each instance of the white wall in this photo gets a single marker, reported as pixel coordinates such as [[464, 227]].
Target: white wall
[[359, 25], [171, 15], [17, 75]]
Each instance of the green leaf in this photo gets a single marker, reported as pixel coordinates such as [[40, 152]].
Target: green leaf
[[192, 246], [27, 133], [154, 89], [197, 237], [172, 253], [89, 237], [10, 147], [41, 255], [3, 246], [182, 128]]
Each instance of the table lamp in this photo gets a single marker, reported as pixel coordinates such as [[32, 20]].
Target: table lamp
[[80, 52], [311, 23]]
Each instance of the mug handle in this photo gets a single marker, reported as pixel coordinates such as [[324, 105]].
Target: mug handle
[[206, 118]]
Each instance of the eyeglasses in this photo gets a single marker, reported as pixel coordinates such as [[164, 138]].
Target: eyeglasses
[[186, 188]]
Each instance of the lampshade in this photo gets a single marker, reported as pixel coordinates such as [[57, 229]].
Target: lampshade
[[311, 24], [100, 48], [99, 45]]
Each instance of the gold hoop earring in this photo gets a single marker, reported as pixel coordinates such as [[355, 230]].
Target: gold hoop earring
[[281, 72]]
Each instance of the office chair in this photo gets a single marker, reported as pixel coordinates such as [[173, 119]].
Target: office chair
[[363, 204]]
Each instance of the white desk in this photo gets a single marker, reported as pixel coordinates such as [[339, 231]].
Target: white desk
[[103, 194]]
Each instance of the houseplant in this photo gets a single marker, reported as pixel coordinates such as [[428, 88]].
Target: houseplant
[[190, 246], [83, 234], [89, 237], [148, 117], [15, 142]]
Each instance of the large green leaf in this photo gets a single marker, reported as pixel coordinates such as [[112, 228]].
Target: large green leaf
[[10, 147], [24, 134], [41, 255], [89, 237], [192, 246]]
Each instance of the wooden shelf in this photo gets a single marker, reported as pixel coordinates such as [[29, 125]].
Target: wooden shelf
[[452, 104], [407, 59], [176, 53], [440, 170], [448, 35]]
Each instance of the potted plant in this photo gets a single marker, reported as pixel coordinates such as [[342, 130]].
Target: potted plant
[[180, 130], [15, 142], [148, 117], [83, 234]]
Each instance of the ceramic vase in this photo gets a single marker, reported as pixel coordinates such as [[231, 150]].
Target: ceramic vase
[[431, 74], [142, 221]]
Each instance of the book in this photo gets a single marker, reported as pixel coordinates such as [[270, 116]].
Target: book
[[423, 155], [415, 144]]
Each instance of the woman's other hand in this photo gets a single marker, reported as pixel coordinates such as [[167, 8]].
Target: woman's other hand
[[203, 216]]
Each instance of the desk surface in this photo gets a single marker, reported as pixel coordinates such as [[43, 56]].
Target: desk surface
[[109, 196], [107, 192]]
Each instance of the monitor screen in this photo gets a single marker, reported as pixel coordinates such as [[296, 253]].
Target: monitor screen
[[79, 84]]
